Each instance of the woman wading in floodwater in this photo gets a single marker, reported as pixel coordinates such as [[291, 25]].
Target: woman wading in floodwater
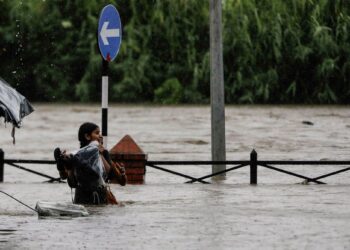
[[90, 169]]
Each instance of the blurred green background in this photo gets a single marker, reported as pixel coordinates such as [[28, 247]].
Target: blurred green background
[[275, 51]]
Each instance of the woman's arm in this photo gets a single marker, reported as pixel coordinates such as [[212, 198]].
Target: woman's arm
[[113, 170], [119, 173], [106, 164]]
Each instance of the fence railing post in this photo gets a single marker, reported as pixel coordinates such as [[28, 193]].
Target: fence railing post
[[2, 163], [253, 167]]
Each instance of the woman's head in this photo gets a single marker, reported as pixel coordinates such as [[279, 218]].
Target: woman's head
[[87, 133]]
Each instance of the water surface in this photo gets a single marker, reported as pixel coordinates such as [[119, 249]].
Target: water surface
[[278, 213]]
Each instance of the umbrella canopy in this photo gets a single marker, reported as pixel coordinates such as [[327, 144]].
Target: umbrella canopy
[[13, 105]]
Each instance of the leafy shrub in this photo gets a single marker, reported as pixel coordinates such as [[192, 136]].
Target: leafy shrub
[[170, 92]]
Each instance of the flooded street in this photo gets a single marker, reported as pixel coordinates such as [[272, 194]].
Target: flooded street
[[165, 213]]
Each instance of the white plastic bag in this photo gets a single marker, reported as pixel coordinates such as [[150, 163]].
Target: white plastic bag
[[46, 208], [91, 156]]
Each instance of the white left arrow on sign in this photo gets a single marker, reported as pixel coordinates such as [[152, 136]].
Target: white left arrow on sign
[[105, 33]]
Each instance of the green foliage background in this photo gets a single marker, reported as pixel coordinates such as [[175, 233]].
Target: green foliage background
[[275, 51]]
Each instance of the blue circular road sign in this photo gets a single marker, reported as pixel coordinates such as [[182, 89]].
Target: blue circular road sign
[[109, 32]]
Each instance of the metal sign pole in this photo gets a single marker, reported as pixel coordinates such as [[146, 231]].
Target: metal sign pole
[[105, 102], [2, 163], [217, 89], [109, 37]]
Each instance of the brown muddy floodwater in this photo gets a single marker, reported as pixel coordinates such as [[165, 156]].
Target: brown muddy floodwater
[[165, 213]]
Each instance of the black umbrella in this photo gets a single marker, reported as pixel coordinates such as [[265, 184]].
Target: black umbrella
[[13, 106]]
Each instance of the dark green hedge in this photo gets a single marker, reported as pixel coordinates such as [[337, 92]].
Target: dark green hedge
[[275, 51]]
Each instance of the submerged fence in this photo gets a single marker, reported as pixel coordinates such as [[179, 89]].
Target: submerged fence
[[253, 164]]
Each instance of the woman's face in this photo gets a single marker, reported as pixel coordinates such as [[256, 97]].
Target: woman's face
[[94, 136]]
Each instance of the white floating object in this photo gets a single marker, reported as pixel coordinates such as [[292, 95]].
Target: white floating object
[[46, 208]]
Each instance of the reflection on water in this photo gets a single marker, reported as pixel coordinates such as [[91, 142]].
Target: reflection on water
[[278, 213]]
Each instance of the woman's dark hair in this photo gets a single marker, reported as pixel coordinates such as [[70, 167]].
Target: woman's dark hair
[[85, 128]]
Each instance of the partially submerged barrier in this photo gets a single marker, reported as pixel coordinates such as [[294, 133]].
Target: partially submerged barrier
[[15, 163], [253, 163]]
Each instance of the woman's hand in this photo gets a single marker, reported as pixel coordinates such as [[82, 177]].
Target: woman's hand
[[122, 169]]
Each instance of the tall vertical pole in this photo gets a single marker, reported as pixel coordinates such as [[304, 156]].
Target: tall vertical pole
[[109, 37], [105, 102], [2, 163], [217, 97]]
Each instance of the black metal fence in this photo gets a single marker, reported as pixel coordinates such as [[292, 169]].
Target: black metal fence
[[15, 163], [253, 163]]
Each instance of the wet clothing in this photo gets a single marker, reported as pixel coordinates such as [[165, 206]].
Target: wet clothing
[[90, 176], [85, 171], [95, 196]]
